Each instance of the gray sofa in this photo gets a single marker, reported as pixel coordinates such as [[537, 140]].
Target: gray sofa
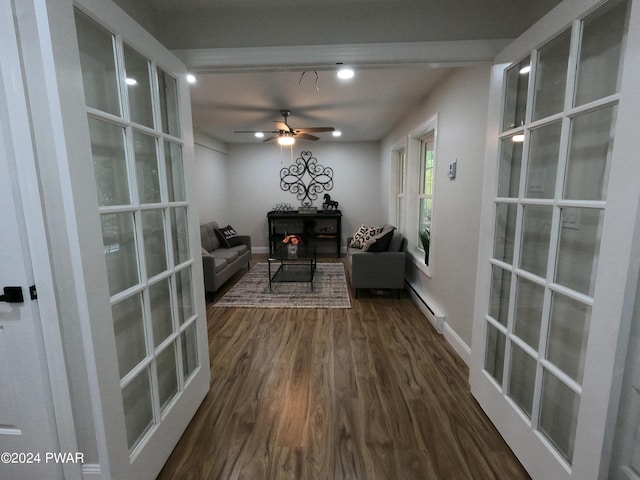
[[220, 263], [378, 269]]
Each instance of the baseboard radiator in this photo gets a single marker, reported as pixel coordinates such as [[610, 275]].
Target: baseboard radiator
[[434, 315]]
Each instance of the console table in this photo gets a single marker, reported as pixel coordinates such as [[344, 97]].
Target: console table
[[322, 226]]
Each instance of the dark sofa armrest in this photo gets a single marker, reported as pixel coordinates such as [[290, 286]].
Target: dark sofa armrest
[[245, 239], [378, 269], [209, 270]]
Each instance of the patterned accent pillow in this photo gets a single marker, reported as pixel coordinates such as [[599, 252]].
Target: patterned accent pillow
[[364, 233], [379, 242], [228, 236]]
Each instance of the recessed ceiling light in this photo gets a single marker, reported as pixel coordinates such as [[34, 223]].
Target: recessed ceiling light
[[337, 133], [345, 73], [131, 81], [191, 78], [259, 134], [526, 69]]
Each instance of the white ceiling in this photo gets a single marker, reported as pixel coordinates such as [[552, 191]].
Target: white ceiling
[[249, 55], [171, 4], [364, 108]]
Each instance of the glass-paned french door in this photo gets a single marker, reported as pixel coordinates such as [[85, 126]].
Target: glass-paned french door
[[137, 150], [554, 156]]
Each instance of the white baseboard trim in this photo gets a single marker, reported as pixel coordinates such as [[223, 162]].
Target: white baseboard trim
[[91, 471], [426, 306], [438, 320], [461, 348]]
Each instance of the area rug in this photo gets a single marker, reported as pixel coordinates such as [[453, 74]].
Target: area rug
[[252, 291]]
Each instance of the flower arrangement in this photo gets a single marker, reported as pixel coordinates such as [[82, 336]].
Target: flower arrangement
[[292, 239]]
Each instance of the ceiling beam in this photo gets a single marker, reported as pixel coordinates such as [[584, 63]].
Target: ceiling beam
[[323, 57]]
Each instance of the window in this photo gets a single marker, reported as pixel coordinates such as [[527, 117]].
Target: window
[[425, 192], [401, 162]]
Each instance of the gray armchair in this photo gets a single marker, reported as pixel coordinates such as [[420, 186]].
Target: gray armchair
[[379, 270]]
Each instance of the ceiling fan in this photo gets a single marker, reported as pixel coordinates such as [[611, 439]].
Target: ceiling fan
[[286, 134]]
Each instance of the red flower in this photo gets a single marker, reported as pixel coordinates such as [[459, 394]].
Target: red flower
[[294, 239]]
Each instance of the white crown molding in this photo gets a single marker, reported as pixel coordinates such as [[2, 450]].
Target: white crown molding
[[318, 57]]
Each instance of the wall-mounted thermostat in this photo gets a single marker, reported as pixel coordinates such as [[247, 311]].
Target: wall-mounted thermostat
[[451, 170]]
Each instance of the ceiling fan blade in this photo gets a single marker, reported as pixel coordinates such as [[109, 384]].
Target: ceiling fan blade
[[306, 136], [314, 129], [283, 126], [272, 137]]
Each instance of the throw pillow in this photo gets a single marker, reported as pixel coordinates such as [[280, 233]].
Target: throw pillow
[[364, 233], [379, 242], [228, 237]]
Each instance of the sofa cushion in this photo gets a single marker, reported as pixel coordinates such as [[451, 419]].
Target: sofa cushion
[[379, 242], [220, 264], [226, 254], [240, 248], [364, 233], [228, 236]]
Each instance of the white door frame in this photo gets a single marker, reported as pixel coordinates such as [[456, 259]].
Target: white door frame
[[64, 159], [617, 267], [45, 310]]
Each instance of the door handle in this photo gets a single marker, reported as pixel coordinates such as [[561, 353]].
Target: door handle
[[12, 295]]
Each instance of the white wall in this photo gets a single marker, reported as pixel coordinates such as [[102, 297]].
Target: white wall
[[461, 104], [254, 184], [211, 179]]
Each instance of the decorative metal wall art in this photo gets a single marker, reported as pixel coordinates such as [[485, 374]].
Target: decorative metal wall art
[[306, 179]]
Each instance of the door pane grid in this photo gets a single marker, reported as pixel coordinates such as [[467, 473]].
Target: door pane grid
[[121, 78], [145, 222], [572, 71], [598, 74], [555, 235], [166, 367], [138, 85], [562, 376]]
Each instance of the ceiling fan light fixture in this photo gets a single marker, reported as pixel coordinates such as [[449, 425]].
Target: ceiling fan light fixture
[[286, 140]]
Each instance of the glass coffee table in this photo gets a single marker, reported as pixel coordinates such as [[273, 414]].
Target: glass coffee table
[[287, 267]]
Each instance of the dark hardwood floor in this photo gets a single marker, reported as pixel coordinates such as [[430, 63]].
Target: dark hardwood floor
[[371, 392]]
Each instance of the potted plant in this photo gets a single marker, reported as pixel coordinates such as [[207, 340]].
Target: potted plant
[[425, 238]]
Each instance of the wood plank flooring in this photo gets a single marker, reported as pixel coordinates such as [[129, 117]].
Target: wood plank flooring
[[368, 393]]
